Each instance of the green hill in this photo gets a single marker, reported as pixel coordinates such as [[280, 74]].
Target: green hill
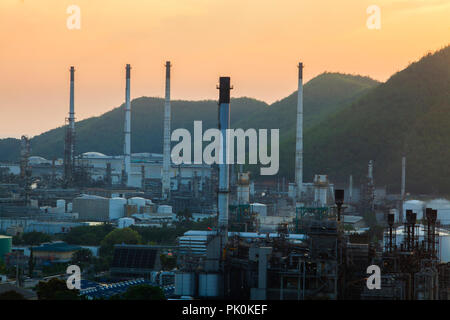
[[322, 96], [409, 114], [327, 92], [105, 133]]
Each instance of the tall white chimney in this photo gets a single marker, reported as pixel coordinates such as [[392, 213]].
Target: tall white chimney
[[299, 139], [127, 129], [69, 144], [166, 142]]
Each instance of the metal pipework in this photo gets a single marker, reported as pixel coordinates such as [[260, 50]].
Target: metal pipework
[[408, 229], [166, 146], [224, 170], [413, 226], [390, 220], [433, 231], [127, 128], [299, 136]]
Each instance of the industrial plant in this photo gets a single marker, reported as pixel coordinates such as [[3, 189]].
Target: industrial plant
[[299, 240]]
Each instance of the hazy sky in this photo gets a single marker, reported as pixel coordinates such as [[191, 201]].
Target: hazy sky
[[256, 42]]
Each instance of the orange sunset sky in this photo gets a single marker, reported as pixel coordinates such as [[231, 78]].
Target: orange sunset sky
[[256, 42]]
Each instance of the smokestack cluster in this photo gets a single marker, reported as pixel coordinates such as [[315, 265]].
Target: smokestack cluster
[[299, 136], [224, 172], [127, 129], [166, 145]]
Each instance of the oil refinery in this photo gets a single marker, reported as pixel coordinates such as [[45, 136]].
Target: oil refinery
[[295, 240]]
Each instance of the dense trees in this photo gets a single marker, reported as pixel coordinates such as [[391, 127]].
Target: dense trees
[[88, 235], [119, 236], [32, 238], [11, 295], [82, 257], [56, 289]]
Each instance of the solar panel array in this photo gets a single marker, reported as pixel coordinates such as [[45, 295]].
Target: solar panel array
[[139, 258], [93, 290]]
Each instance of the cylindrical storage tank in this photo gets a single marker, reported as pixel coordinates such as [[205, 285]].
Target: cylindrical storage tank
[[140, 202], [117, 208], [5, 246], [260, 209], [125, 222], [60, 206], [208, 285], [164, 209], [185, 284]]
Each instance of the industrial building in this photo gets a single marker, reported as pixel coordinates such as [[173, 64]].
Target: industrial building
[[5, 246], [56, 252]]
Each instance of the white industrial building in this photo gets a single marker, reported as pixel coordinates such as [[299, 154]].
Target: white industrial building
[[143, 166], [96, 208]]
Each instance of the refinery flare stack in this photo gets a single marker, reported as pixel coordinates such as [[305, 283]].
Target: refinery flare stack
[[127, 130], [299, 136], [166, 142]]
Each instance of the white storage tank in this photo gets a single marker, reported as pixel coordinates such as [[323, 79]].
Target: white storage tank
[[208, 285], [259, 208], [164, 209], [125, 222], [117, 208], [185, 284], [140, 202], [60, 206]]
